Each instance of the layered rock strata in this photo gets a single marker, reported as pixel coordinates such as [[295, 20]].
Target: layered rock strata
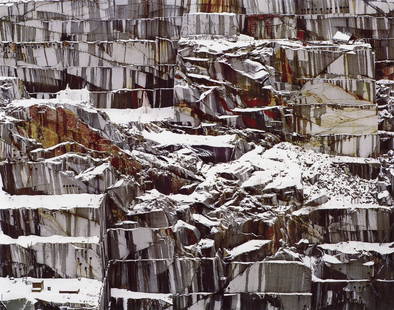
[[146, 163]]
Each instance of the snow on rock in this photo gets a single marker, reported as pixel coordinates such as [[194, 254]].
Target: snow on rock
[[331, 259], [170, 138], [220, 46], [93, 172], [249, 246], [201, 219], [126, 294], [286, 165], [51, 202], [355, 247], [85, 291], [341, 37], [27, 241], [141, 115], [258, 178], [77, 95], [164, 171]]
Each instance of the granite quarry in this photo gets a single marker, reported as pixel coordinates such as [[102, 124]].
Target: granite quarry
[[196, 154]]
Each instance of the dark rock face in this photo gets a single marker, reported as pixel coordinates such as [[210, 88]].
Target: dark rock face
[[203, 154]]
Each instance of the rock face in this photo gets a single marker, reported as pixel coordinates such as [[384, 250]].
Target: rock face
[[199, 154]]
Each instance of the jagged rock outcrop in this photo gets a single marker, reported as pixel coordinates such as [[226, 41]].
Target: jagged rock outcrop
[[196, 154]]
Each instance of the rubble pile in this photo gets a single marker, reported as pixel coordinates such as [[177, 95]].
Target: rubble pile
[[196, 154]]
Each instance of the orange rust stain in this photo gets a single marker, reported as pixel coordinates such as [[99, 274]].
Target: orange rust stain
[[219, 6], [261, 26], [53, 126]]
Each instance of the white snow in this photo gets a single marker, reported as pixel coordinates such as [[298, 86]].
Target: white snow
[[181, 224], [79, 95], [359, 160], [21, 288], [199, 218], [206, 243], [142, 115], [248, 246], [51, 202], [93, 172], [54, 147], [289, 170], [222, 45], [123, 293], [331, 259], [258, 178], [247, 67], [27, 241], [342, 188], [316, 279], [384, 194], [171, 138], [338, 204], [48, 102], [341, 37], [355, 247], [252, 110]]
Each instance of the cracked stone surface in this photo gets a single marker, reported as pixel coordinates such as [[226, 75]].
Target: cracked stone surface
[[196, 154]]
